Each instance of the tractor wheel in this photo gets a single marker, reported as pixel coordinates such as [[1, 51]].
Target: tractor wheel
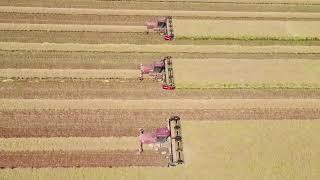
[[180, 161], [179, 149], [178, 138], [176, 118]]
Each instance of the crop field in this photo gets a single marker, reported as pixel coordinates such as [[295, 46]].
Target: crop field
[[233, 73], [247, 89]]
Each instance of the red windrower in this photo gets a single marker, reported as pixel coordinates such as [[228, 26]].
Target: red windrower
[[166, 87]]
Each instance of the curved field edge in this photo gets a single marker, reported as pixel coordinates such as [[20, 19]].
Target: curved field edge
[[176, 13], [7, 104], [69, 144], [123, 48], [238, 147]]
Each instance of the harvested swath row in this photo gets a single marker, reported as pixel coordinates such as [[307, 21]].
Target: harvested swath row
[[69, 144], [133, 89], [69, 28], [133, 38], [113, 60], [174, 5], [246, 73], [133, 20], [94, 104], [41, 159], [89, 19], [99, 123], [244, 29], [126, 48], [70, 73], [82, 37], [141, 13]]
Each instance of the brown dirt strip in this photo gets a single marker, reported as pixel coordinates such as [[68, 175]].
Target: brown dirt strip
[[118, 38], [133, 89], [162, 5], [99, 123], [41, 159]]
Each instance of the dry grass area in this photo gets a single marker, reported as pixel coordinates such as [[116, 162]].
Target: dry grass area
[[7, 104], [72, 47], [264, 150], [247, 28], [70, 73], [69, 144], [134, 12], [246, 73], [70, 28]]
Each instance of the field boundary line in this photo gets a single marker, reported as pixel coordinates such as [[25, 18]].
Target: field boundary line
[[178, 13], [72, 47], [152, 104]]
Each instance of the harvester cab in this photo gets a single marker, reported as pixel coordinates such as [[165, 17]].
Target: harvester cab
[[161, 70], [162, 25]]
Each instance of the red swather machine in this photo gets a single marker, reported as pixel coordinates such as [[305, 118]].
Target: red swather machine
[[170, 137], [163, 25], [161, 70]]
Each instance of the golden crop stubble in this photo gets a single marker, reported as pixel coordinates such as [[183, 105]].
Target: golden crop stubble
[[215, 73], [151, 104], [247, 29], [70, 47]]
